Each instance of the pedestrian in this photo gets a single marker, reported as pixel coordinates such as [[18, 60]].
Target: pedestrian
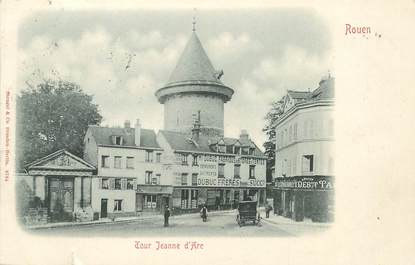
[[203, 213], [166, 216], [268, 208]]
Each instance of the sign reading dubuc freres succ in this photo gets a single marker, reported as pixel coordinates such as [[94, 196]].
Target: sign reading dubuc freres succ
[[228, 182], [306, 183]]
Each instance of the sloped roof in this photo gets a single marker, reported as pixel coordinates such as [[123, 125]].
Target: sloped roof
[[181, 141], [102, 136], [71, 162], [194, 64], [298, 94]]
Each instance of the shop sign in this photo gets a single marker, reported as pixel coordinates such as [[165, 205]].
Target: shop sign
[[305, 183], [256, 183], [219, 182]]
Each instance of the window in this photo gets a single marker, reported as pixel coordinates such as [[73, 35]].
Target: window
[[117, 205], [194, 194], [117, 162], [149, 156], [195, 161], [149, 176], [105, 161], [105, 184], [237, 150], [221, 171], [252, 171], [184, 178], [184, 159], [307, 164], [305, 129], [130, 184], [290, 134], [294, 166], [117, 140], [130, 162], [227, 197], [221, 148], [155, 180], [245, 150], [158, 157], [237, 171], [295, 132], [150, 201], [117, 183], [194, 179], [229, 149], [251, 151], [311, 134], [185, 199]]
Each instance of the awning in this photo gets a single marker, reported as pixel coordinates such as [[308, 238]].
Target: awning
[[154, 189]]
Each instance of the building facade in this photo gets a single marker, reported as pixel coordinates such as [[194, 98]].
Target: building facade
[[304, 163], [58, 186], [130, 178], [218, 172]]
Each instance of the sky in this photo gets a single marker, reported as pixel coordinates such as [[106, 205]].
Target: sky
[[122, 57]]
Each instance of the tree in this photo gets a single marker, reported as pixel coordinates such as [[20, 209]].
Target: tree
[[54, 115], [269, 129]]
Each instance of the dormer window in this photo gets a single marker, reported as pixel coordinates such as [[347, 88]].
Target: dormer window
[[221, 146], [237, 150], [245, 150], [251, 151], [117, 140], [229, 149]]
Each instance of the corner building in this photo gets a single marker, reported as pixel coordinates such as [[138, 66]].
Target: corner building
[[205, 167], [304, 162]]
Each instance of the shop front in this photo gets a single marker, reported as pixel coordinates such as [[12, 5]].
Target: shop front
[[300, 198], [153, 198], [218, 194]]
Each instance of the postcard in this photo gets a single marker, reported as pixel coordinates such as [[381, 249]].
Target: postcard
[[206, 132]]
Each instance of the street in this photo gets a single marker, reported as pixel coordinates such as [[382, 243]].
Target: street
[[218, 224]]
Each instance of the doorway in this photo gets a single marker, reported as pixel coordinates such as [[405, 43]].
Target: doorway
[[61, 198], [104, 208]]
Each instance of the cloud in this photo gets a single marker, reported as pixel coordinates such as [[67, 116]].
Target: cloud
[[227, 47], [121, 72], [295, 70]]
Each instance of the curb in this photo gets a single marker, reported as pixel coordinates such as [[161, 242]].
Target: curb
[[109, 222]]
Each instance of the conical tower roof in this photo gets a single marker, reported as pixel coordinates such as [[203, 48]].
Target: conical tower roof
[[193, 65], [194, 73]]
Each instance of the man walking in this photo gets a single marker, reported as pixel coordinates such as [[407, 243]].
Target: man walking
[[268, 209], [166, 216]]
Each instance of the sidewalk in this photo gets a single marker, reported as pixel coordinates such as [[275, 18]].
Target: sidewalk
[[121, 220], [278, 219]]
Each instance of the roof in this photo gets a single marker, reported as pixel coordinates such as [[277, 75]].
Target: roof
[[70, 161], [298, 94], [182, 142], [325, 90], [194, 64], [102, 136]]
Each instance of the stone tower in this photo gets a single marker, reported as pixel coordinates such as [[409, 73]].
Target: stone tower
[[194, 88]]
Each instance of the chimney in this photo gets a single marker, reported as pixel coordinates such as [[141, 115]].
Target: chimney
[[244, 136], [196, 128], [127, 124], [137, 133]]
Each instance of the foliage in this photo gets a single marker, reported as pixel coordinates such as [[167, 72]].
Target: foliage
[[269, 129], [54, 115]]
